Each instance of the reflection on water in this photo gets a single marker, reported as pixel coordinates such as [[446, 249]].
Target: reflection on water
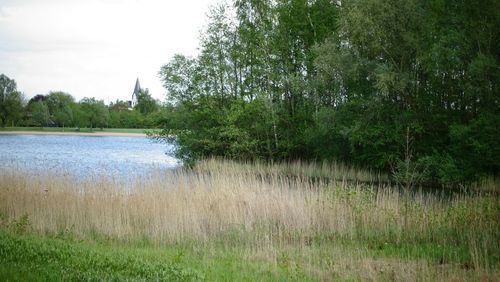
[[84, 156]]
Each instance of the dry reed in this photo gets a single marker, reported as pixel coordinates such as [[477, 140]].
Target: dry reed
[[267, 208]]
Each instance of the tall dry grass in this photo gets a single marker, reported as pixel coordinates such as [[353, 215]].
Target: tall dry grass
[[190, 205], [333, 171], [259, 203]]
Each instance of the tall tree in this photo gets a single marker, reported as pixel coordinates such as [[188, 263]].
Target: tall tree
[[10, 101], [39, 113], [146, 104], [59, 104], [95, 112], [119, 106], [370, 82], [179, 77]]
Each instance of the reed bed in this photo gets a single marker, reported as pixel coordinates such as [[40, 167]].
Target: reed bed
[[235, 204], [337, 171]]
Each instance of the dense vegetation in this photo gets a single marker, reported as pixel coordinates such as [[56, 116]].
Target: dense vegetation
[[296, 88], [407, 87], [59, 109], [227, 221]]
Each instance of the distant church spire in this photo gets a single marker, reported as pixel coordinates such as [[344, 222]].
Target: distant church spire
[[135, 94]]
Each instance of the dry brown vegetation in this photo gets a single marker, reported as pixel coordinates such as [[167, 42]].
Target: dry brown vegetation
[[334, 227]]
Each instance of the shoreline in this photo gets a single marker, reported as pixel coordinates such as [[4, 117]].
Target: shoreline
[[72, 133]]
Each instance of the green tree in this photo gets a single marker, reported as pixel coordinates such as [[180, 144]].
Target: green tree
[[11, 107], [351, 81], [63, 116], [95, 113], [59, 104], [179, 79], [15, 109], [131, 119], [146, 104], [39, 113], [79, 118], [119, 106]]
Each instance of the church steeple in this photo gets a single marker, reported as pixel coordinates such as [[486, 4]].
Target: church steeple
[[135, 94]]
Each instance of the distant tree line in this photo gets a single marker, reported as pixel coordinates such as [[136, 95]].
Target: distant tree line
[[59, 109], [408, 87]]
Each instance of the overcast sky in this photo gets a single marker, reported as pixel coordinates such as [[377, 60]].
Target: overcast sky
[[95, 48]]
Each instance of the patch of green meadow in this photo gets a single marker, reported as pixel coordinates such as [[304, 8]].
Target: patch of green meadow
[[44, 258], [233, 256]]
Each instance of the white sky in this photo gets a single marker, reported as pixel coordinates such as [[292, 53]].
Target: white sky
[[95, 48]]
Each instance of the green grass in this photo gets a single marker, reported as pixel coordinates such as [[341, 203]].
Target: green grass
[[37, 257], [74, 129], [30, 257]]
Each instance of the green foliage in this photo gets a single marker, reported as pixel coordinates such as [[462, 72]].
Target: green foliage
[[324, 80], [145, 103], [126, 119], [15, 109], [118, 106], [229, 132], [147, 113], [11, 107], [59, 104], [177, 77], [21, 225], [475, 145], [59, 109], [94, 113], [39, 113], [53, 260]]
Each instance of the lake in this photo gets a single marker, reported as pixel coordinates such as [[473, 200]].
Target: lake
[[82, 156]]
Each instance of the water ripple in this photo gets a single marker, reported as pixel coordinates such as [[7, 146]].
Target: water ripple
[[83, 156]]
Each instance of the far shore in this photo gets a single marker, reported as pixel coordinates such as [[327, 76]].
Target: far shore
[[95, 133]]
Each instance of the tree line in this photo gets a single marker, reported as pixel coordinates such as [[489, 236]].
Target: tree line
[[59, 109], [408, 87]]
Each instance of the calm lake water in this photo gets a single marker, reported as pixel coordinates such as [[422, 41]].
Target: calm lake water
[[81, 156]]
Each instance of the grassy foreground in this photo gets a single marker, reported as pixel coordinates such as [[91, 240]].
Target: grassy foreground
[[231, 222], [74, 129]]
